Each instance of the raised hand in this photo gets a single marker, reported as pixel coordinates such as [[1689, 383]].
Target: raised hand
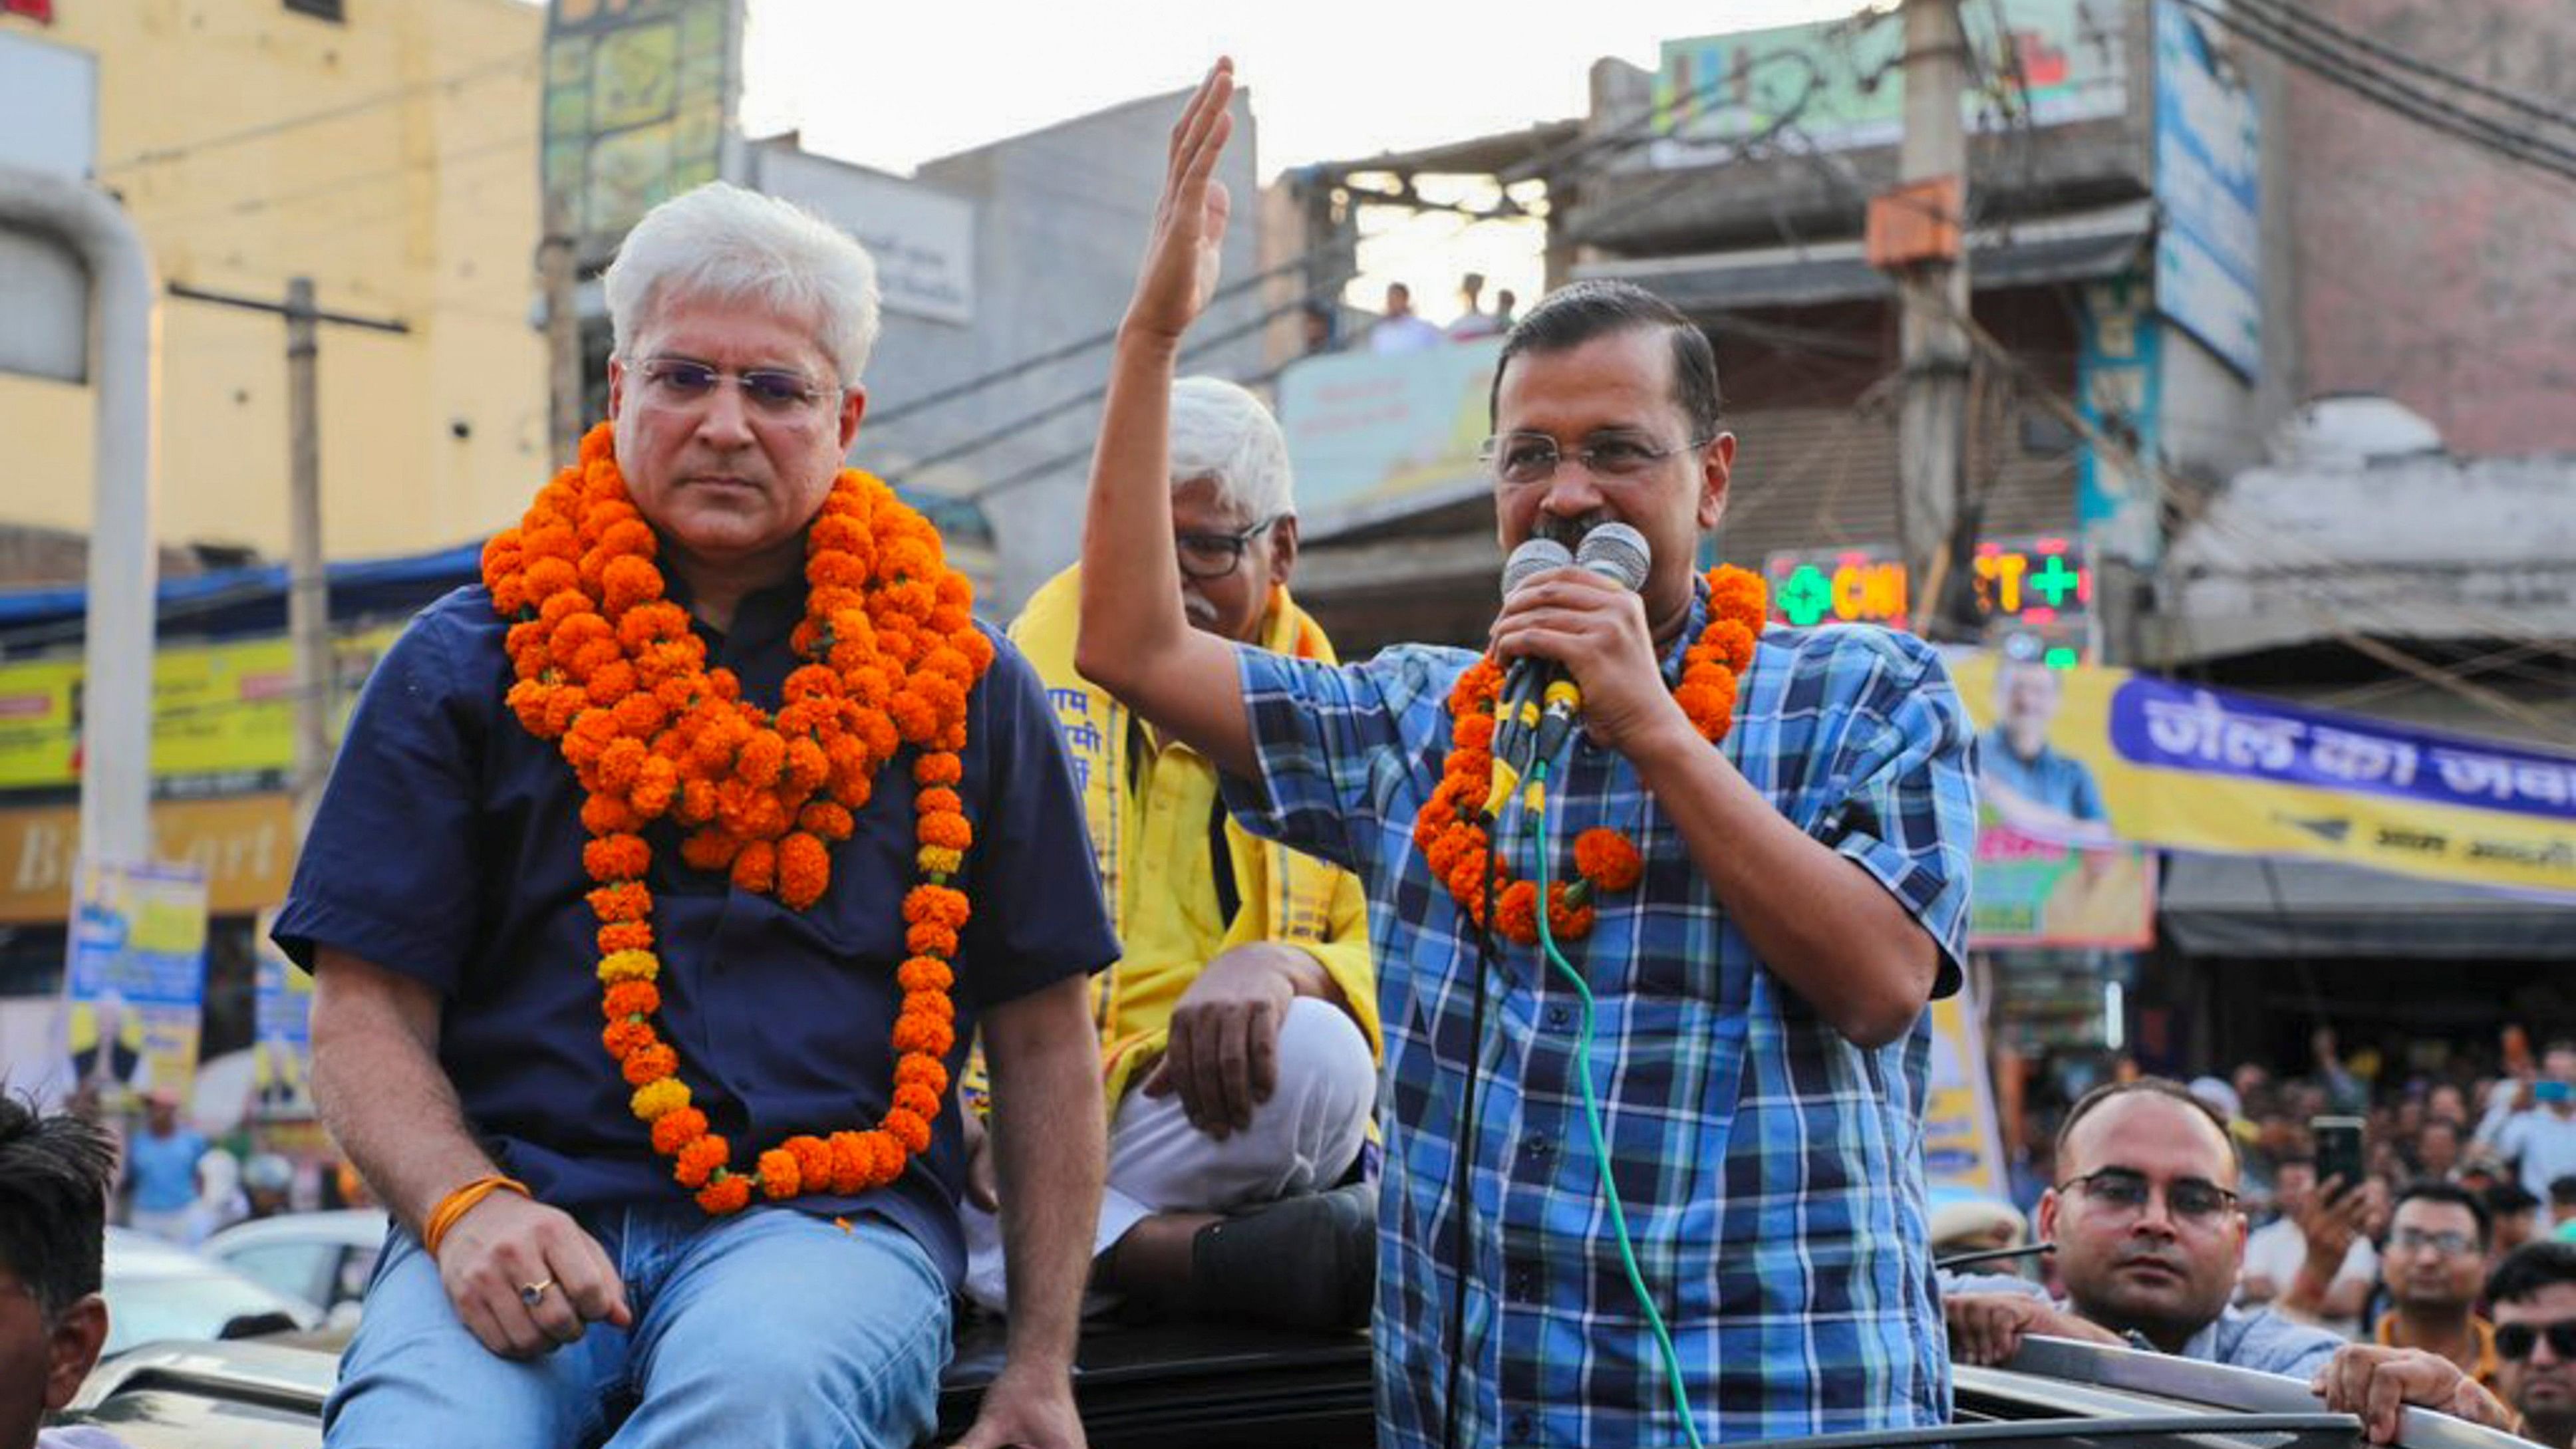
[[1184, 254]]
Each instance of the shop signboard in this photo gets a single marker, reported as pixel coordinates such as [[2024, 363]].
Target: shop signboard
[[2187, 767], [2209, 163], [225, 709]]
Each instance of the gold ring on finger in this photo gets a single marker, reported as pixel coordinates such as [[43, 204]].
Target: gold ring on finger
[[533, 1294]]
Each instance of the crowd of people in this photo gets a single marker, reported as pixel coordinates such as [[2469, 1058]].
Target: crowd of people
[[2444, 1222], [776, 952]]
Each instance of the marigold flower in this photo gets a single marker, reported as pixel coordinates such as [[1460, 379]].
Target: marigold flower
[[781, 1174], [916, 1069], [627, 580], [1566, 920], [949, 829], [939, 905], [625, 901], [852, 1162], [625, 1037], [908, 1129], [606, 815], [755, 866], [938, 799], [1516, 911], [826, 820], [1730, 642], [618, 936], [649, 1064], [630, 998], [762, 757], [924, 973], [616, 857], [726, 1195], [676, 1131], [528, 699], [700, 1158], [619, 967], [914, 1032], [813, 1161], [710, 849], [918, 1100], [939, 861], [656, 1100], [1608, 859], [804, 870], [930, 939]]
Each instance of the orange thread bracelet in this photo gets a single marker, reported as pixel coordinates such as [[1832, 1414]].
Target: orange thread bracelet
[[460, 1202]]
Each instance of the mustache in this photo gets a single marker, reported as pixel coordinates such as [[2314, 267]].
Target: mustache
[[2171, 1262], [1570, 531]]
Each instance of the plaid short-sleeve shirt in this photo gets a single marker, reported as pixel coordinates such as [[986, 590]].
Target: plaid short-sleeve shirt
[[1771, 1170]]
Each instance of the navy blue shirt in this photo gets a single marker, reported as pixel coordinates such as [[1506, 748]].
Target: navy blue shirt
[[448, 848]]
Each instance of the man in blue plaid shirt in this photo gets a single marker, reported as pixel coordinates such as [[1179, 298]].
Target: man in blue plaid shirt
[[1760, 1043]]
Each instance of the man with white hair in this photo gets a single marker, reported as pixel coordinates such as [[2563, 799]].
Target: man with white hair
[[716, 755], [1239, 1028]]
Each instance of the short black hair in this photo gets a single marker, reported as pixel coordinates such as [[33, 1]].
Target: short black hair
[[1575, 314], [2528, 1269], [2432, 1190], [2153, 1087], [2562, 1190], [54, 1176], [2506, 1197]]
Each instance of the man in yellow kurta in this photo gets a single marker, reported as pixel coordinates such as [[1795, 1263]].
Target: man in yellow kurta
[[1239, 1029]]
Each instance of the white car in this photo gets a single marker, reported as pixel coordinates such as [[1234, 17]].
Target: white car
[[323, 1259], [159, 1290]]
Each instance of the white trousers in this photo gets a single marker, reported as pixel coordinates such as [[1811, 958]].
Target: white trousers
[[1302, 1140]]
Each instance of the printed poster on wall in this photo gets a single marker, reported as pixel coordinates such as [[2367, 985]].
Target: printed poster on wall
[[1962, 1146], [282, 1046], [135, 980]]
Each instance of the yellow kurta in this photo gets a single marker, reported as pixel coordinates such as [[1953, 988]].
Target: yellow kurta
[[1152, 846]]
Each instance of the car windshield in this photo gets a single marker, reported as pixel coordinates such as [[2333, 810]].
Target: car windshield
[[184, 1306]]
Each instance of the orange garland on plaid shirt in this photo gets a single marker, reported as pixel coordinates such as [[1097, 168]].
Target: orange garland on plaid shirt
[[611, 669], [1451, 831]]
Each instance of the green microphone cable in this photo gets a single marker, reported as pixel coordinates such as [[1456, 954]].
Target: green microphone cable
[[1592, 1123]]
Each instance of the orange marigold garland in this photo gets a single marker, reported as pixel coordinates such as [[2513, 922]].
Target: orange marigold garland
[[610, 669], [1451, 830]]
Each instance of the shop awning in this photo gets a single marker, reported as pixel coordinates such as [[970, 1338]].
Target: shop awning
[[2072, 249], [2293, 909]]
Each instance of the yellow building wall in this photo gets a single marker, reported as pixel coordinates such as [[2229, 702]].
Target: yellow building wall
[[393, 159]]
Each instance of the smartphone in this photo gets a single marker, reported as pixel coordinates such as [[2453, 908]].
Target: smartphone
[[2339, 1152]]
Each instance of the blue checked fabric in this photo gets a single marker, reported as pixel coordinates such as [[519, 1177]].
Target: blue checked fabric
[[1772, 1171]]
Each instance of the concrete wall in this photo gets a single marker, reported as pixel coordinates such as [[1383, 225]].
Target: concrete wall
[[1062, 217], [417, 200], [2429, 270]]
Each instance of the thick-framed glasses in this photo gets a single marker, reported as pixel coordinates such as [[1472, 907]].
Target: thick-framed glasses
[[2515, 1341], [683, 383], [1207, 556], [2118, 1190], [2416, 1240], [1525, 458]]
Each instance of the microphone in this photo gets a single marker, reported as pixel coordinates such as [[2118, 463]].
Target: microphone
[[1615, 552], [1517, 711]]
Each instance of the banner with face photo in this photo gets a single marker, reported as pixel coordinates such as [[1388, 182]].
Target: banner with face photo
[[135, 982], [2092, 757]]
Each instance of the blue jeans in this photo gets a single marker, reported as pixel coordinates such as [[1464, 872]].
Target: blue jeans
[[768, 1327]]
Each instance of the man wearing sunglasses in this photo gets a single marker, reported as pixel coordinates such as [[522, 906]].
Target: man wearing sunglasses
[[2533, 1296], [1239, 1028], [2149, 1242]]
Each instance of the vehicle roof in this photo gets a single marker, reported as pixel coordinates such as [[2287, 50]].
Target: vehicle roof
[[357, 1227]]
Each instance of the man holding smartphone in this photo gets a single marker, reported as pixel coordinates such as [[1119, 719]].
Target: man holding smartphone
[[2541, 1139]]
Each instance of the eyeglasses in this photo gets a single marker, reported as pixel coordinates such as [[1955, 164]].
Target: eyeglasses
[[2515, 1341], [2416, 1240], [678, 382], [1207, 556], [1524, 458], [2118, 1190]]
